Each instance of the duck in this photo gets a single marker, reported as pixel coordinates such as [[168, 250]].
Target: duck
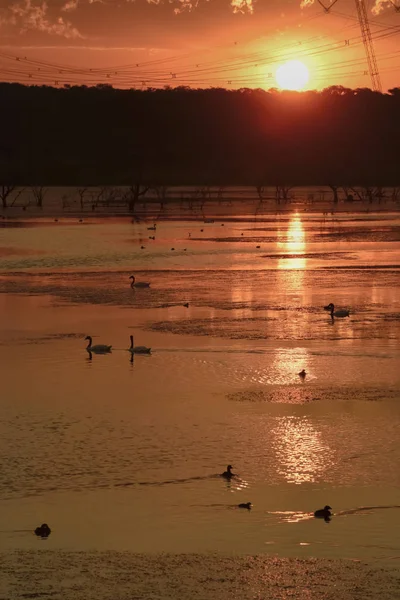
[[323, 513], [98, 349], [186, 304], [43, 531], [302, 374], [336, 313], [136, 284], [245, 505], [228, 473], [152, 228], [152, 237], [138, 349]]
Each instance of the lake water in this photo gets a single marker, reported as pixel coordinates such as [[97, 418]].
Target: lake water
[[122, 455]]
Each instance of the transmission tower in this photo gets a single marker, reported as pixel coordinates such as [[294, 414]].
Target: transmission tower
[[367, 40], [368, 45]]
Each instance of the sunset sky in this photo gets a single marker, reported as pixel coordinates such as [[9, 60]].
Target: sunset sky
[[199, 43]]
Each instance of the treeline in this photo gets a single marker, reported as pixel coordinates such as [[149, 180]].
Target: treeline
[[104, 136]]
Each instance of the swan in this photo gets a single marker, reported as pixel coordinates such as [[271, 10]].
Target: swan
[[245, 505], [138, 349], [323, 513], [140, 284], [43, 531], [228, 473], [152, 228], [98, 349], [302, 374], [337, 313]]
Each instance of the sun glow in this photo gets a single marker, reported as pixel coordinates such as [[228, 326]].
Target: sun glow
[[293, 75]]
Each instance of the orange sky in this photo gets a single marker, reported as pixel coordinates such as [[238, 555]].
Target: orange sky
[[199, 43]]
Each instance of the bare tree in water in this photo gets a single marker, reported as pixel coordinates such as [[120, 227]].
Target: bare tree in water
[[334, 189], [282, 193], [82, 192], [5, 192], [39, 193], [261, 189], [161, 193], [136, 191]]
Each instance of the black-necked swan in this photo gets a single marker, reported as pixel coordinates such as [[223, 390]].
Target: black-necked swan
[[337, 313], [245, 505], [98, 349], [137, 284], [138, 349], [228, 473], [152, 228], [302, 374]]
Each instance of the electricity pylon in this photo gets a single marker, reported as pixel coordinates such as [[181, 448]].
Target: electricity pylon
[[367, 41], [368, 45]]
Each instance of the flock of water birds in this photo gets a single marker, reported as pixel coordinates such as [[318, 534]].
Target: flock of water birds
[[321, 513], [43, 531], [105, 348]]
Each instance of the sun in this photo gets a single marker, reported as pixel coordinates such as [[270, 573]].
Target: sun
[[293, 75]]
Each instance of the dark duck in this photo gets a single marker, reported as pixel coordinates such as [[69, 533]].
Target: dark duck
[[228, 473], [43, 531], [324, 513]]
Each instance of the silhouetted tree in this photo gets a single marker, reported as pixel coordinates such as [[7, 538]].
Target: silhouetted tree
[[39, 193], [198, 137], [5, 192]]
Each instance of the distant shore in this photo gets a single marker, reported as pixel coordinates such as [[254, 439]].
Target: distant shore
[[189, 204]]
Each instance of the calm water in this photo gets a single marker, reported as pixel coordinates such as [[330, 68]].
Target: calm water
[[122, 455]]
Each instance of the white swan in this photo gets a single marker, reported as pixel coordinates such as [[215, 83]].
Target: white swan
[[138, 349], [98, 349], [337, 313], [138, 284]]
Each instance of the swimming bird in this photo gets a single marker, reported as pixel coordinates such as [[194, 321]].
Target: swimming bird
[[138, 349], [98, 349], [142, 248], [186, 304], [152, 237], [141, 284], [302, 374], [152, 228], [43, 531], [323, 513], [337, 313], [245, 505], [228, 473]]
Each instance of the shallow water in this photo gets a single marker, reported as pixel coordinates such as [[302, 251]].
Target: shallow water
[[124, 455]]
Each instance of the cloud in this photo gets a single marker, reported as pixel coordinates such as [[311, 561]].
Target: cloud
[[70, 5], [28, 15], [242, 6], [380, 6]]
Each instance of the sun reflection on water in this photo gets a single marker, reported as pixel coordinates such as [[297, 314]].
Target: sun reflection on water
[[293, 242], [303, 456], [287, 363]]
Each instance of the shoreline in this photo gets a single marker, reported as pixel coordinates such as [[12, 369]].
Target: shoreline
[[109, 575], [235, 210]]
